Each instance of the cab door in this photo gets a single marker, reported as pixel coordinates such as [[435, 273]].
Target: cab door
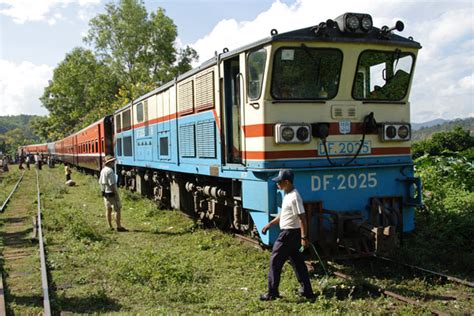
[[233, 85]]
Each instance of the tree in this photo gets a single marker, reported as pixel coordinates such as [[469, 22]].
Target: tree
[[139, 48], [81, 91]]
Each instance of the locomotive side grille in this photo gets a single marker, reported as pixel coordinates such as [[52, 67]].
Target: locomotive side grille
[[206, 139], [205, 91], [338, 112], [186, 141], [185, 97]]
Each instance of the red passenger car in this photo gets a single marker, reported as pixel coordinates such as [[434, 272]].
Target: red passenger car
[[93, 143], [36, 148]]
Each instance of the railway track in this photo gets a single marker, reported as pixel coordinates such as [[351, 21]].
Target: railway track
[[4, 204], [250, 241], [442, 276], [18, 251], [377, 290], [387, 291]]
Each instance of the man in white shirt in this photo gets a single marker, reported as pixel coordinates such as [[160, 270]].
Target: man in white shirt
[[108, 186], [38, 161], [292, 236]]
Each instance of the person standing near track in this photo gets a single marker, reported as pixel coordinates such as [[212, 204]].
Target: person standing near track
[[27, 161], [67, 171], [293, 235], [108, 186], [38, 161], [5, 163]]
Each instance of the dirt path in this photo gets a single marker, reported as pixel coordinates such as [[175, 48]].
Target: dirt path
[[19, 255]]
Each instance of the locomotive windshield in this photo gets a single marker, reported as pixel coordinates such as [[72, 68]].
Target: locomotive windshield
[[304, 73], [382, 75]]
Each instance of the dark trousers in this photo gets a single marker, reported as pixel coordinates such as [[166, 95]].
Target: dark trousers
[[287, 247]]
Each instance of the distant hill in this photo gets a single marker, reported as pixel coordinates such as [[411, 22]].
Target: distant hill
[[8, 123], [427, 129], [417, 126], [15, 130]]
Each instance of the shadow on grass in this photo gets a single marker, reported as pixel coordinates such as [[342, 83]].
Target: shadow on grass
[[353, 292], [94, 303], [422, 295], [13, 219], [23, 301], [170, 233]]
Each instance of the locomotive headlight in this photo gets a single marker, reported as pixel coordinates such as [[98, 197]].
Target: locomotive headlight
[[391, 131], [396, 132], [302, 133], [287, 134], [352, 22], [366, 23], [292, 133], [403, 131]]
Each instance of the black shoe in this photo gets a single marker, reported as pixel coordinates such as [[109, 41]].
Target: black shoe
[[268, 297], [122, 229], [310, 298]]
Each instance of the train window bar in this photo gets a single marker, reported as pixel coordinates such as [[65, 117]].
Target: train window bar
[[384, 102], [298, 101]]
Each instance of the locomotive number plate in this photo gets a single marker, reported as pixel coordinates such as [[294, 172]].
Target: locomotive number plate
[[336, 148], [351, 181]]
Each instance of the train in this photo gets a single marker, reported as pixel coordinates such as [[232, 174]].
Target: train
[[329, 102]]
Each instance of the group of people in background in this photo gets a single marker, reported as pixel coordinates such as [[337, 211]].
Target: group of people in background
[[37, 159], [4, 161], [25, 160]]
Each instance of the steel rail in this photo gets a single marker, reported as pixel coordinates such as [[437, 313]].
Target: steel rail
[[44, 275], [439, 274], [2, 208], [249, 241], [378, 289]]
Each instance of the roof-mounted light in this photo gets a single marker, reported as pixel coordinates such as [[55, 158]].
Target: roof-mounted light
[[366, 23], [355, 23]]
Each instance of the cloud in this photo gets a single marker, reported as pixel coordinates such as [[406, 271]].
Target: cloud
[[20, 87], [462, 86], [443, 79], [22, 11]]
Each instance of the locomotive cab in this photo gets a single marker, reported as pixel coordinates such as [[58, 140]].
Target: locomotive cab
[[331, 103]]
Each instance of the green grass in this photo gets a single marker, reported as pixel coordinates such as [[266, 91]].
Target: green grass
[[8, 181], [166, 264]]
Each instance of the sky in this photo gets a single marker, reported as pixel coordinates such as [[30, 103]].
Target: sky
[[35, 35]]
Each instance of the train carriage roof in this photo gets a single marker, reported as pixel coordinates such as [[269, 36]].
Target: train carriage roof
[[326, 34]]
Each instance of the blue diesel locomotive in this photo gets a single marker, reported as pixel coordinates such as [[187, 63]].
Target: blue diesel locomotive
[[330, 102]]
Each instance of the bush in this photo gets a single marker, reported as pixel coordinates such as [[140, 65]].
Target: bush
[[444, 143], [445, 227]]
